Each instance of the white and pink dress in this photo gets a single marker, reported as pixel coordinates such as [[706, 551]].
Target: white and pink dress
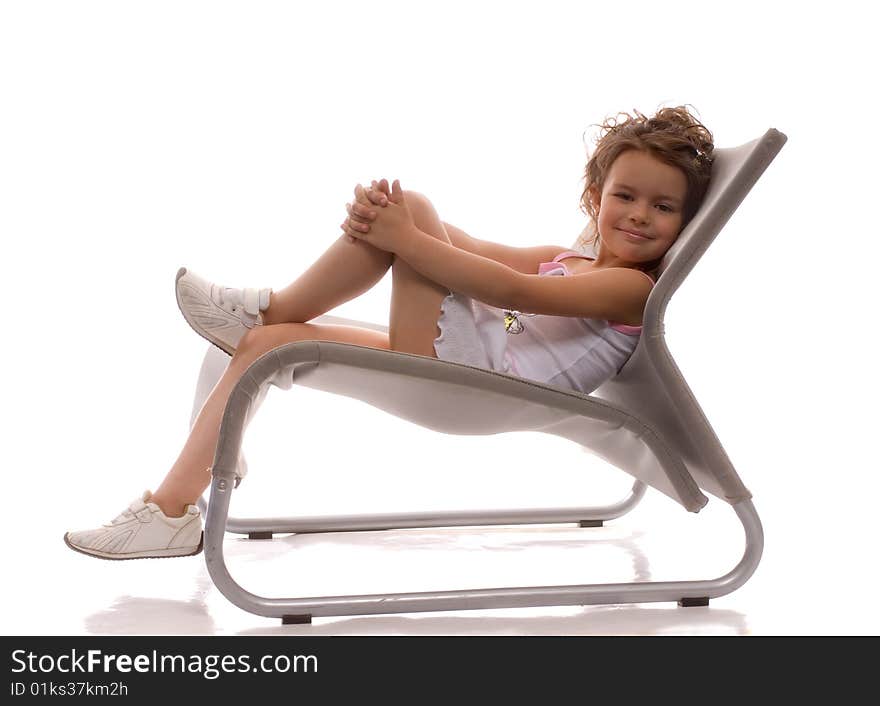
[[564, 351]]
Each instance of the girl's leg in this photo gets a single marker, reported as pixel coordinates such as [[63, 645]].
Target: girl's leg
[[346, 270], [415, 307], [415, 299], [190, 474]]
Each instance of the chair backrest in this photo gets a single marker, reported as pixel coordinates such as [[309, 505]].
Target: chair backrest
[[650, 385]]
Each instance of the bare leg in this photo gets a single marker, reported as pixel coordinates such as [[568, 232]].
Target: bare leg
[[346, 270], [415, 299], [189, 476]]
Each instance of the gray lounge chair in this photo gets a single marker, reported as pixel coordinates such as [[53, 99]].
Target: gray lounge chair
[[644, 421]]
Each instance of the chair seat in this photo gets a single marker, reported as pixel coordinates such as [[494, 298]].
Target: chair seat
[[460, 399]]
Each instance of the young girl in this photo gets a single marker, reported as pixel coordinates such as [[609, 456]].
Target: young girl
[[545, 313]]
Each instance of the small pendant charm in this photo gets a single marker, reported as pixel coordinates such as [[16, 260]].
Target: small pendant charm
[[512, 324]]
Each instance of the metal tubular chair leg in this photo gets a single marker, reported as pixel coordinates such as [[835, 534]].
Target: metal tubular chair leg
[[686, 593], [585, 517]]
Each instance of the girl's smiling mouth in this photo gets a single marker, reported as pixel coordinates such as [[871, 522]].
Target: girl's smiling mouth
[[635, 235]]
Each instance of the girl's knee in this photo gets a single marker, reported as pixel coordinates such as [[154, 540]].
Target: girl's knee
[[425, 215], [415, 197], [255, 342], [420, 205]]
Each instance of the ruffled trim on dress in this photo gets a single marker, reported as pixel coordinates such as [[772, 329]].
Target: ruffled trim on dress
[[459, 340], [442, 323], [471, 333]]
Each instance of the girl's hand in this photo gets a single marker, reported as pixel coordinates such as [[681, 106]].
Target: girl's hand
[[361, 211], [391, 225]]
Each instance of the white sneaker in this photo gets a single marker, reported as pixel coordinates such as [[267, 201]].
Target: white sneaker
[[220, 314], [142, 531]]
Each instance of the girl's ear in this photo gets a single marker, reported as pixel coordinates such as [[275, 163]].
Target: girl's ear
[[594, 196]]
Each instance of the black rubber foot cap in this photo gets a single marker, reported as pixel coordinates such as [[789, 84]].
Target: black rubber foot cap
[[693, 602], [259, 535], [296, 619], [590, 523]]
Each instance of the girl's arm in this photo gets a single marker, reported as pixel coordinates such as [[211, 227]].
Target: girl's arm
[[525, 260], [616, 294], [459, 270]]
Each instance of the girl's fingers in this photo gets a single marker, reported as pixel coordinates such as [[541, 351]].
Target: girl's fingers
[[378, 194], [395, 193], [356, 225], [373, 197], [361, 195], [360, 213], [348, 232], [364, 212]]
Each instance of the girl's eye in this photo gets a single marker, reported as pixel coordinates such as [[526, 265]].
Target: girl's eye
[[664, 207]]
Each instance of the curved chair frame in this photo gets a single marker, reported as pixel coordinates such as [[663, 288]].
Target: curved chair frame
[[644, 421]]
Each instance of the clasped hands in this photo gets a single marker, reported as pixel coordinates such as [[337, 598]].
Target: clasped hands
[[379, 216]]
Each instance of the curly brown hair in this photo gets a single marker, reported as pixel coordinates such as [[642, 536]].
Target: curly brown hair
[[673, 136]]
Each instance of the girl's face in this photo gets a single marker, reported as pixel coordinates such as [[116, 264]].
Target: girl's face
[[639, 212]]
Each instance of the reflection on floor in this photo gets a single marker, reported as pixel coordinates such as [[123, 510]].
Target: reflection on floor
[[536, 555]]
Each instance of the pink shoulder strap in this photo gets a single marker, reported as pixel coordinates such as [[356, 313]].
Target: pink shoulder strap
[[571, 253]]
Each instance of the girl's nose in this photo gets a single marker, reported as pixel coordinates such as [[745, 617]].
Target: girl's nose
[[639, 216]]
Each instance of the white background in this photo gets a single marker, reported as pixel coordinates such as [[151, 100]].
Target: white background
[[136, 137]]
